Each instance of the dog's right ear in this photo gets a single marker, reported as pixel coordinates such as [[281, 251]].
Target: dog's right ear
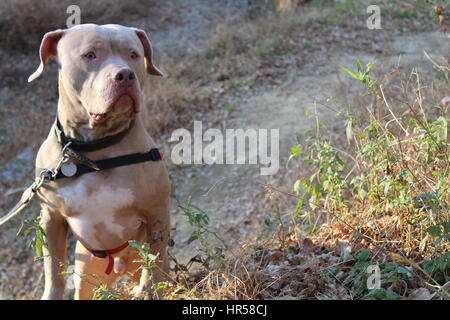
[[47, 50], [148, 52]]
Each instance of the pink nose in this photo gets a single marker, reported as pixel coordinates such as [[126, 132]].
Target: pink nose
[[124, 76]]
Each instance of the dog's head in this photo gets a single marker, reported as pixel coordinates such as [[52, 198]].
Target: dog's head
[[102, 69]]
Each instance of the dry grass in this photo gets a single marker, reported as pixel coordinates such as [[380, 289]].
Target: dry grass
[[265, 272], [24, 22]]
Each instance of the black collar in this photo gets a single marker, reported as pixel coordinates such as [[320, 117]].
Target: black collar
[[80, 164], [153, 155], [93, 145]]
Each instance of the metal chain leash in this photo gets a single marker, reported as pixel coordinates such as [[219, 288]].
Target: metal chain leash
[[45, 176]]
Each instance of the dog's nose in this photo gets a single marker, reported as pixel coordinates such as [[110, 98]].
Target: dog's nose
[[124, 76]]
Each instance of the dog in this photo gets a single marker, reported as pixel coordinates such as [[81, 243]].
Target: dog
[[122, 190]]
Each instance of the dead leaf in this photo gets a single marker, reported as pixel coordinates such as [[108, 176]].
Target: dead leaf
[[440, 12], [420, 294], [308, 245], [343, 248], [445, 101], [273, 256], [400, 258]]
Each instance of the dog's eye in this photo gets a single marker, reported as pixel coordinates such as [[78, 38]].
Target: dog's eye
[[133, 55], [90, 55]]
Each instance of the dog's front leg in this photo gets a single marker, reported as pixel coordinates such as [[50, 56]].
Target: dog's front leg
[[158, 228], [55, 228]]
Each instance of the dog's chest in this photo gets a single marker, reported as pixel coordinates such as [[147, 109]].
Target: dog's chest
[[99, 212]]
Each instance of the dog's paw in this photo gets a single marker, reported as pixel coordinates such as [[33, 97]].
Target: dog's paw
[[140, 293], [52, 295]]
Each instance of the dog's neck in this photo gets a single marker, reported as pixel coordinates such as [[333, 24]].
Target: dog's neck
[[77, 124]]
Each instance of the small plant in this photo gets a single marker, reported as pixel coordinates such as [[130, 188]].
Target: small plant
[[358, 277], [326, 182], [38, 235], [209, 253], [149, 262], [363, 76], [391, 275], [102, 292], [439, 268], [441, 231]]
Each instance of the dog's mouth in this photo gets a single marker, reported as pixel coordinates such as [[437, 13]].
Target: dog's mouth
[[124, 105], [97, 117]]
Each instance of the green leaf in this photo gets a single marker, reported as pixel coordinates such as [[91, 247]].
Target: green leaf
[[152, 257], [295, 153], [364, 255], [402, 270], [297, 186], [358, 66], [134, 244], [377, 294], [351, 73], [443, 124], [391, 295], [434, 230], [348, 256], [38, 245], [446, 226], [295, 150]]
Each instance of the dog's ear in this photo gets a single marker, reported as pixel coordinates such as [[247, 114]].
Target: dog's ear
[[151, 69], [47, 50]]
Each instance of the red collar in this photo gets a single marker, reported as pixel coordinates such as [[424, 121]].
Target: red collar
[[107, 253]]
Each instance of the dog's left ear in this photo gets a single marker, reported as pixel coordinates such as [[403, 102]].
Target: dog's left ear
[[151, 68], [47, 50]]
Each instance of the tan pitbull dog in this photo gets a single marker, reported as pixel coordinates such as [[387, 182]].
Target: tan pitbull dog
[[102, 70]]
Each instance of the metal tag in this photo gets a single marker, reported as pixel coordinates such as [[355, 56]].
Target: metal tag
[[69, 169]]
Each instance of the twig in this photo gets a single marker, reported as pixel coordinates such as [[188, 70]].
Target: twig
[[38, 283], [390, 110], [442, 288]]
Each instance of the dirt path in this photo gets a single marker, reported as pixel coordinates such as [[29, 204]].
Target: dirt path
[[226, 191]]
